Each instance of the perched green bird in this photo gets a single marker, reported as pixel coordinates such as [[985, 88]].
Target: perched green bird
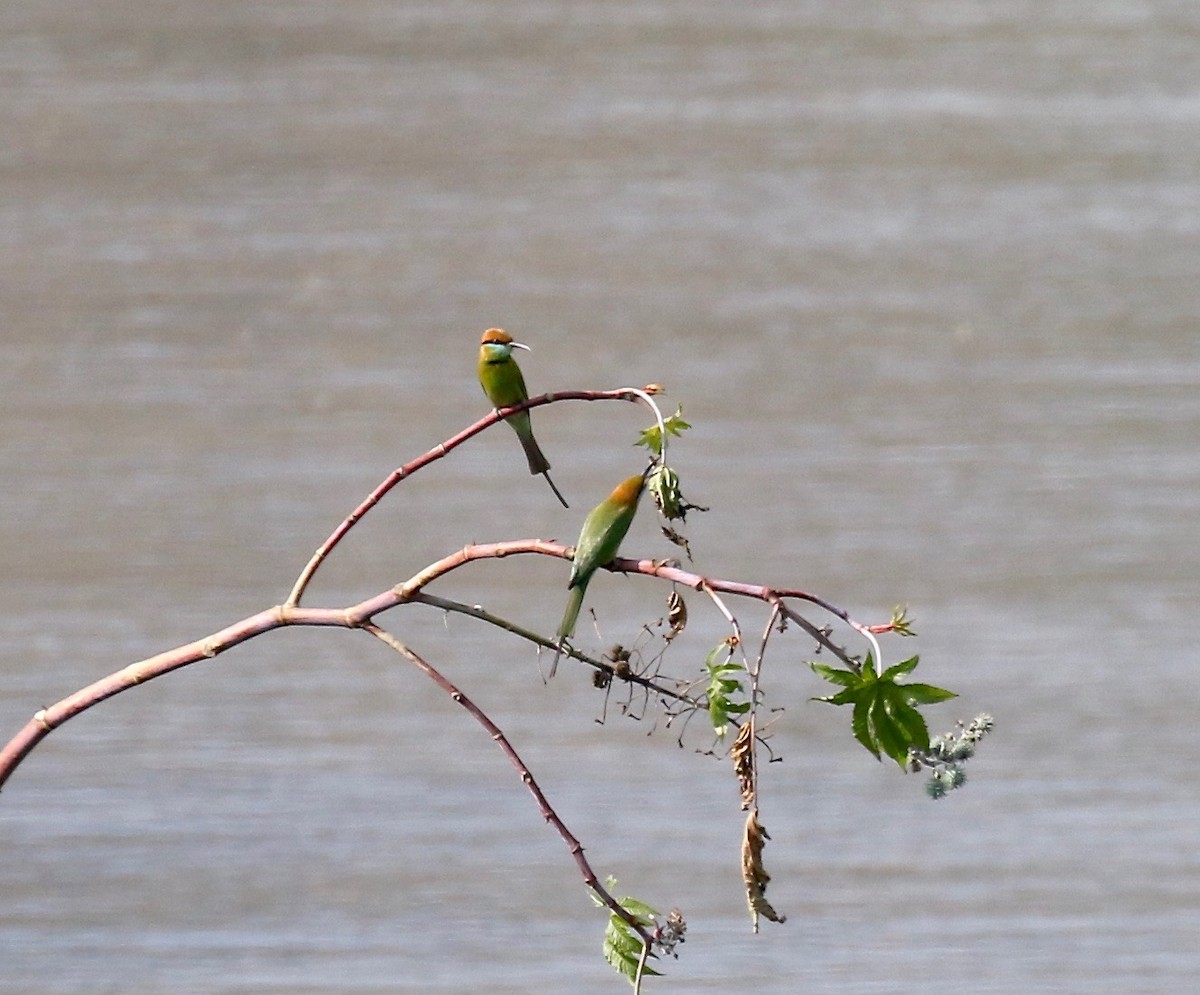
[[501, 380], [599, 540]]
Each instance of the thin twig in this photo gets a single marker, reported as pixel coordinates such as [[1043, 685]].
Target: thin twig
[[442, 449], [527, 778], [658, 568], [707, 588], [475, 611], [751, 768], [647, 400], [762, 643]]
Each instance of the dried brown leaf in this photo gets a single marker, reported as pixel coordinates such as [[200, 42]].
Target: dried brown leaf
[[678, 539], [754, 874], [742, 754], [677, 615]]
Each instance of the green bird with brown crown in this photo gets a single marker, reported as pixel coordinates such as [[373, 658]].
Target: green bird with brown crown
[[599, 539], [501, 380]]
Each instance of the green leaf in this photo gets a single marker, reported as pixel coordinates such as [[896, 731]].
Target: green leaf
[[901, 624], [910, 727], [724, 684], [847, 697], [663, 483], [926, 694], [651, 438], [899, 669], [860, 724], [891, 729], [846, 678], [622, 945], [884, 719], [639, 910]]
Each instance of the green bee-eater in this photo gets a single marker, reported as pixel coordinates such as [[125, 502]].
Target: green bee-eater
[[599, 540], [501, 380]]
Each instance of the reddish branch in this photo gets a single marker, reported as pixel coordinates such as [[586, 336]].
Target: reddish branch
[[362, 615], [436, 453], [527, 778], [356, 617]]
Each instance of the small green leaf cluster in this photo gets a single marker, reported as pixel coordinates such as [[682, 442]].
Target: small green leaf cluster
[[664, 488], [901, 624], [622, 945], [885, 717], [724, 682], [663, 481], [652, 438]]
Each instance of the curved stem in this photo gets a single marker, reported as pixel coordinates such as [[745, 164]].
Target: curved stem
[[760, 592], [527, 778], [662, 428], [641, 968], [762, 645], [48, 719], [356, 616], [707, 588], [436, 453], [865, 631]]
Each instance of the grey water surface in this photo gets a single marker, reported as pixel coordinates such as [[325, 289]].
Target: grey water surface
[[923, 275]]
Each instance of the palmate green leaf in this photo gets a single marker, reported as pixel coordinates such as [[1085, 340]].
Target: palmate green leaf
[[651, 438], [885, 719]]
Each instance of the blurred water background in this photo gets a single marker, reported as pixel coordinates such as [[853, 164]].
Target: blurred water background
[[921, 273]]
